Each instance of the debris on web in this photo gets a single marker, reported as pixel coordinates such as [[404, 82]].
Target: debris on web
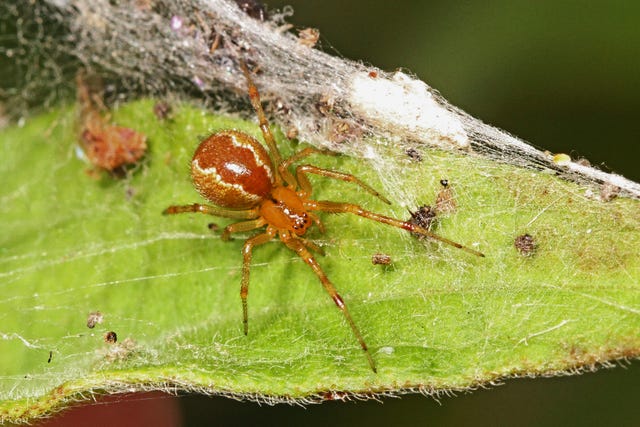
[[191, 48]]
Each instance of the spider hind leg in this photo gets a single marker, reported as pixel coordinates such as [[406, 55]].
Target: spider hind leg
[[296, 245], [247, 252], [336, 207]]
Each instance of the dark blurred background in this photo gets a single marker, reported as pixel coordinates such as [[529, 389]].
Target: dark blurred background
[[564, 76]]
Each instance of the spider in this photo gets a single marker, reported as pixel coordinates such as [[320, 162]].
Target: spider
[[246, 182]]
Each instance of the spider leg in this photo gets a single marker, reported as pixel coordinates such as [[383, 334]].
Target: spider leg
[[284, 166], [239, 227], [212, 210], [254, 96], [304, 153], [247, 249], [298, 246], [302, 170], [317, 221], [309, 244], [335, 207]]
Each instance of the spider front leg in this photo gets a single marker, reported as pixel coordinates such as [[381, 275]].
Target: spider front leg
[[254, 97], [305, 152], [247, 249], [298, 246], [283, 169], [305, 185], [335, 207]]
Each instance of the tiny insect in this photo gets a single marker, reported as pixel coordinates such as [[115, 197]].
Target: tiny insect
[[244, 181]]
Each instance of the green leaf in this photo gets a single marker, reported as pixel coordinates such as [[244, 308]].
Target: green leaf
[[437, 318]]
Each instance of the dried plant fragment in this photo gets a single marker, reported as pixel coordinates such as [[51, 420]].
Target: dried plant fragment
[[608, 192], [308, 37], [381, 259], [414, 154], [108, 147], [445, 200], [423, 217], [93, 319]]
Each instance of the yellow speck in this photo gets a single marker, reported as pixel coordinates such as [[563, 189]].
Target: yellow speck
[[561, 159]]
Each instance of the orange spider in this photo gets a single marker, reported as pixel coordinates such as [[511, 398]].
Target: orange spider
[[244, 181]]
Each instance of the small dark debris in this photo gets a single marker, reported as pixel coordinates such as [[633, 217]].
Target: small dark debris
[[93, 319], [525, 244], [414, 154], [162, 110], [50, 356], [110, 337], [380, 259], [608, 192], [335, 395], [213, 226], [583, 162], [423, 217], [253, 8]]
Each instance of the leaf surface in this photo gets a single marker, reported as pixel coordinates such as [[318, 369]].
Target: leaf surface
[[437, 318]]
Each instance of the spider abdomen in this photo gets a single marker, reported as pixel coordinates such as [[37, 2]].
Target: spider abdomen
[[232, 169]]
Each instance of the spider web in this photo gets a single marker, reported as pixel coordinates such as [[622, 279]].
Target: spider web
[[164, 49]]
